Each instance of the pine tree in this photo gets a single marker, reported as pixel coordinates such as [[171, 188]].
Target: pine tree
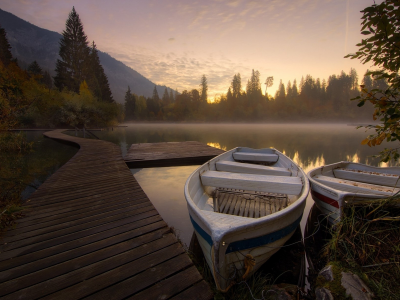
[[236, 85], [71, 69], [155, 97], [165, 97], [289, 93], [171, 96], [295, 91], [204, 89], [34, 68], [130, 104], [5, 48], [97, 79]]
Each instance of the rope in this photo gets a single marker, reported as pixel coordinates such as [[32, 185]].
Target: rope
[[249, 263]]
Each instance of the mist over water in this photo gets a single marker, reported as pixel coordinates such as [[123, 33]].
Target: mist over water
[[309, 145]]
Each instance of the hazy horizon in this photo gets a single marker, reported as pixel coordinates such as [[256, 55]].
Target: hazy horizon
[[174, 43]]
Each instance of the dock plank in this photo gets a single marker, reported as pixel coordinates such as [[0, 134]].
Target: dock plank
[[91, 230], [148, 155]]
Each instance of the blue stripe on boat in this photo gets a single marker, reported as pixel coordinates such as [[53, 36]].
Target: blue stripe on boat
[[250, 243], [263, 240], [200, 231]]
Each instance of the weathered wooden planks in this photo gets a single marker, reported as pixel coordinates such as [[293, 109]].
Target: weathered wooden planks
[[91, 231], [169, 154]]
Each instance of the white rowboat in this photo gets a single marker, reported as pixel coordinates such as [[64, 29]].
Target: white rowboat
[[332, 186], [244, 205]]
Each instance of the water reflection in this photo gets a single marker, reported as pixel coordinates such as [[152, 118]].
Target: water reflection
[[309, 145], [164, 187], [33, 168]]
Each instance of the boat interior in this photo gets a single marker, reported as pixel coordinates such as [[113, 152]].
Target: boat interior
[[251, 184], [360, 181]]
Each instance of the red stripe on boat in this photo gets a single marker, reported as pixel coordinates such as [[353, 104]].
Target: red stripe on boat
[[327, 200]]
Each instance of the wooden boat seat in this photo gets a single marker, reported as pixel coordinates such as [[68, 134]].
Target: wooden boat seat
[[354, 186], [256, 157], [237, 167], [251, 182], [250, 205], [368, 177]]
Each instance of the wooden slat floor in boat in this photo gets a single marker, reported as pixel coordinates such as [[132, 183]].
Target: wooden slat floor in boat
[[91, 232], [169, 154], [250, 205]]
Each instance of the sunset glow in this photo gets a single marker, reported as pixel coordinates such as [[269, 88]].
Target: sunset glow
[[174, 42]]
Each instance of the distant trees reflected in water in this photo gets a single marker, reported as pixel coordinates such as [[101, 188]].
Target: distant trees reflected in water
[[308, 144]]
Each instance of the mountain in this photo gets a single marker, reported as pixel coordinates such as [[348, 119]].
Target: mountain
[[30, 42]]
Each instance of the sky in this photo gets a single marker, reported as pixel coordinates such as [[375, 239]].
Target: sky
[[175, 42]]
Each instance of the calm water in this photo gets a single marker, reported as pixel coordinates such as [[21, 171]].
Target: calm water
[[32, 169], [308, 145]]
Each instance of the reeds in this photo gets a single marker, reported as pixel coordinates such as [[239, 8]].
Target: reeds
[[367, 241]]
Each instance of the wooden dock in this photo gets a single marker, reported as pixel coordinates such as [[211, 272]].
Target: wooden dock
[[148, 155], [91, 232]]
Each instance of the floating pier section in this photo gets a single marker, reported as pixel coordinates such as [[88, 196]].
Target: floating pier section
[[148, 155]]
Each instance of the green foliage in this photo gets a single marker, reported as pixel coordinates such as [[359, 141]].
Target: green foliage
[[381, 26], [96, 78], [80, 63], [74, 52], [83, 109]]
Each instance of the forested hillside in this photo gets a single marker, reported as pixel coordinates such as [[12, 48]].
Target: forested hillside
[[29, 43]]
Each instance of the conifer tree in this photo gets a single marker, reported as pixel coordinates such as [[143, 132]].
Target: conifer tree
[[171, 96], [130, 104], [236, 85], [5, 48], [295, 91], [165, 97], [289, 93], [34, 68], [204, 89], [74, 51], [97, 79], [156, 98]]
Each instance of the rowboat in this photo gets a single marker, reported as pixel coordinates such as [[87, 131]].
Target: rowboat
[[335, 185], [244, 205]]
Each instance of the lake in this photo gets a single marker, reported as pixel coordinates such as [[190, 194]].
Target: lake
[[309, 145]]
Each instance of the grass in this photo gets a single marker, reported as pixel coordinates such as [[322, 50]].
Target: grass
[[367, 242]]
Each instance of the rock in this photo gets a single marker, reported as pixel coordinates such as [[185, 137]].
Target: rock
[[282, 292], [327, 273], [323, 294], [355, 287]]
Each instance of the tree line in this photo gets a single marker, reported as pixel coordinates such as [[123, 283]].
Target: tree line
[[309, 100]]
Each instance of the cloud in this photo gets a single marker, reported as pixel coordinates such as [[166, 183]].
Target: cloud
[[171, 40]]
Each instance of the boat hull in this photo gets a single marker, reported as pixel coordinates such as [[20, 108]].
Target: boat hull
[[331, 200], [226, 240]]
